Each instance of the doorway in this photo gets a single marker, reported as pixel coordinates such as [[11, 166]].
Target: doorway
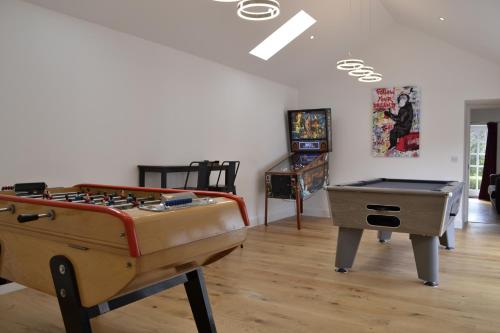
[[477, 115]]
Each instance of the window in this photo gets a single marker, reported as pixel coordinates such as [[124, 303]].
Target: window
[[478, 134]]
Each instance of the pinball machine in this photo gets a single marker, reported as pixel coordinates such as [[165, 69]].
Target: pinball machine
[[305, 170]]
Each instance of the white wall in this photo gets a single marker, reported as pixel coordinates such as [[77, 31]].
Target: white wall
[[447, 76], [484, 116], [82, 103]]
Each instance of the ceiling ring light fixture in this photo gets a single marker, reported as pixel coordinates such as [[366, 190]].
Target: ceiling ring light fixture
[[258, 10], [350, 64], [362, 71], [374, 77]]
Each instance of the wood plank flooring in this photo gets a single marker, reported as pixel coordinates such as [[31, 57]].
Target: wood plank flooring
[[283, 281], [481, 211]]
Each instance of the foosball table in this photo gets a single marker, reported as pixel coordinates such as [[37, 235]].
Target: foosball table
[[100, 247]]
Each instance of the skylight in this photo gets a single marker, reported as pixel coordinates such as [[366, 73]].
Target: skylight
[[293, 28]]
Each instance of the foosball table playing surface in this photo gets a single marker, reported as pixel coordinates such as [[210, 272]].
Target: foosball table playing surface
[[99, 247]]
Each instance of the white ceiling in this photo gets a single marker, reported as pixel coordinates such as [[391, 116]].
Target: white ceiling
[[213, 31], [473, 25]]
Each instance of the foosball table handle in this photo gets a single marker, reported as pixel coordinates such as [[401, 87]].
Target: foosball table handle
[[23, 218], [10, 208]]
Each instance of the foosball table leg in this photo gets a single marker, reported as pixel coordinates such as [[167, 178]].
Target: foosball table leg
[[75, 316], [198, 300]]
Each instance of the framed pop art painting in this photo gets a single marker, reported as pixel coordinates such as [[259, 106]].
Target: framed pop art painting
[[396, 121]]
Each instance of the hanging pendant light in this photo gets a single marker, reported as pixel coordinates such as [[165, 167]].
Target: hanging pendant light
[[258, 10], [362, 71], [357, 67], [370, 78], [350, 64]]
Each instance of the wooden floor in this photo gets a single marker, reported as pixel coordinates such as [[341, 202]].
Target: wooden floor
[[481, 211], [283, 281]]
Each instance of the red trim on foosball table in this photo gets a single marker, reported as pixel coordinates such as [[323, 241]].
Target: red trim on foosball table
[[239, 200], [127, 221]]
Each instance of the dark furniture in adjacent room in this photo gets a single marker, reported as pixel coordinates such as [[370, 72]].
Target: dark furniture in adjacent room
[[422, 208], [492, 191]]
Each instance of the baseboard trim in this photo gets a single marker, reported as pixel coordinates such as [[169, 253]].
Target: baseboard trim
[[317, 212]]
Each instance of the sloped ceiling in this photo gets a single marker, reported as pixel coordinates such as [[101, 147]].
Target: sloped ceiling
[[473, 25], [213, 31]]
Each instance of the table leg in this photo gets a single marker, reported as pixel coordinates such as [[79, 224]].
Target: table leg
[[163, 179], [142, 178], [425, 250], [76, 319], [347, 247], [448, 238], [198, 300], [384, 236]]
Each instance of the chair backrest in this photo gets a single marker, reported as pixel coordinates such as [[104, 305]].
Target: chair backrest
[[230, 175], [204, 169]]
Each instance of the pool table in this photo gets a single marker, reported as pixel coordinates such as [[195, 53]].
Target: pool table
[[425, 209]]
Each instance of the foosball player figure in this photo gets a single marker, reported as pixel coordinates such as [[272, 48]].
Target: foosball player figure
[[131, 198], [47, 195]]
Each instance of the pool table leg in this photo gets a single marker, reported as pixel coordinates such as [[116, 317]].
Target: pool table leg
[[425, 250], [347, 246], [384, 236], [448, 238]]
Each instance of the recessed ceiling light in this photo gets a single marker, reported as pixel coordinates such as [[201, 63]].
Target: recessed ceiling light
[[442, 18], [293, 28], [312, 37]]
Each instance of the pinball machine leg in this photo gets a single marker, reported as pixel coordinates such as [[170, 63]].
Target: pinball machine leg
[[267, 197], [198, 300], [75, 316], [298, 199], [301, 205], [298, 206]]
